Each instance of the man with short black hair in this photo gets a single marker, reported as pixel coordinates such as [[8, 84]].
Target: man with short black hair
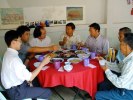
[[95, 41], [14, 75]]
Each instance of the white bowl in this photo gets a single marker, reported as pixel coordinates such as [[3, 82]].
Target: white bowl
[[68, 68], [102, 62], [82, 56]]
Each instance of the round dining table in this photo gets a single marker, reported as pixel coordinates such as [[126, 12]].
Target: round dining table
[[84, 78]]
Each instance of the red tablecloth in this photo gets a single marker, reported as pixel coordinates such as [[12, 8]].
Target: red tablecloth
[[84, 78]]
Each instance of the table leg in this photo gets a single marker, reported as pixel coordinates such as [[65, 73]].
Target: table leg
[[77, 91]]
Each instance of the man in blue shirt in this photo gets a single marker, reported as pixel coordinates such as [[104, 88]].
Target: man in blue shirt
[[121, 33]]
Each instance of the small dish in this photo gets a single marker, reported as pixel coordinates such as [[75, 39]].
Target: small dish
[[68, 68], [102, 62]]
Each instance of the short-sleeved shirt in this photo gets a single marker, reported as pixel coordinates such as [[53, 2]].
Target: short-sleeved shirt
[[40, 43], [70, 40], [13, 71], [24, 51], [99, 44]]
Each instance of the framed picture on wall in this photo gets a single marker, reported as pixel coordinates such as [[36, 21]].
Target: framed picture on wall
[[75, 14], [11, 17]]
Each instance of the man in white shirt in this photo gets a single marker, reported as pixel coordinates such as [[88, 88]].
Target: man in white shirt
[[69, 38], [124, 83], [40, 38], [95, 41], [15, 76]]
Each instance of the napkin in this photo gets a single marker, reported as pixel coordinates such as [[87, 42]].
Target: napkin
[[45, 67], [91, 66], [61, 69]]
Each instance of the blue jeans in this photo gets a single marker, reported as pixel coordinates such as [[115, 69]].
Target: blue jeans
[[24, 91], [115, 94]]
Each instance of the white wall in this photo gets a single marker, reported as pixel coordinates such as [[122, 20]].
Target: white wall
[[93, 7], [111, 14], [4, 4]]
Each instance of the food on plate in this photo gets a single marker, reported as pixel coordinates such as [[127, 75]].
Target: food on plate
[[80, 52], [52, 55], [82, 56], [75, 61], [67, 54]]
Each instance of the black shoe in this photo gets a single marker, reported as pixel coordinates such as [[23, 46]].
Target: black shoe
[[87, 95]]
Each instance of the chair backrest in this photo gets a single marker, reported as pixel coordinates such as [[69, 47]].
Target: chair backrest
[[2, 96]]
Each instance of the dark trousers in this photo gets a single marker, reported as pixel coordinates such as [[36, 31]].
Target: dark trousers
[[106, 84], [107, 91], [24, 91]]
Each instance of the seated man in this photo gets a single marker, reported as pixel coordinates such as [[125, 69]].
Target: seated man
[[40, 38], [69, 38], [106, 85], [123, 89], [96, 42], [14, 75], [24, 33], [121, 33]]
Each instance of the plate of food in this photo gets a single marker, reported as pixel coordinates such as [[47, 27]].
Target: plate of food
[[74, 60], [67, 54]]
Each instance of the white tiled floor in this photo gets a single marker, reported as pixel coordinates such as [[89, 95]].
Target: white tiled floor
[[66, 93]]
